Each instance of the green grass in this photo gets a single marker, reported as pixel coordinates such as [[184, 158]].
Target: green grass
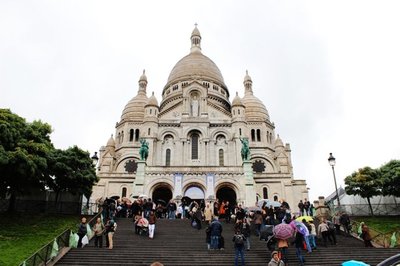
[[383, 224], [21, 235]]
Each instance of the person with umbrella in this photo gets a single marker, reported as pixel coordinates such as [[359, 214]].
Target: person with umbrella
[[171, 208], [298, 242]]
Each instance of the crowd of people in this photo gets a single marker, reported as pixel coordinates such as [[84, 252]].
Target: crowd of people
[[219, 214]]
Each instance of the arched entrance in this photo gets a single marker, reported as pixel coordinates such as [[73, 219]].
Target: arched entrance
[[195, 193], [162, 194], [227, 194]]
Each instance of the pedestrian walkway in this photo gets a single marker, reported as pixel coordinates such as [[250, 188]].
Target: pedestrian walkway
[[176, 243]]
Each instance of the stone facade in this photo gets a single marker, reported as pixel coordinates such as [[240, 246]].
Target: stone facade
[[194, 138]]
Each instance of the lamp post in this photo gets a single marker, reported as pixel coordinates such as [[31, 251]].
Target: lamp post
[[332, 162], [95, 159]]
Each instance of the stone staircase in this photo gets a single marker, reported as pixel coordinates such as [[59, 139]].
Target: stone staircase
[[176, 243]]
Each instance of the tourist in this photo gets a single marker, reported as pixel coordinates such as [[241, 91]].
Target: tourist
[[336, 221], [258, 219], [331, 232], [216, 209], [324, 231], [240, 213], [171, 208], [298, 242], [283, 246], [306, 233], [98, 230], [306, 207], [244, 227], [216, 231], [239, 240], [111, 227], [82, 231], [312, 236], [208, 214], [208, 237], [227, 208], [156, 263], [301, 207], [345, 222], [221, 210], [152, 224], [365, 235], [275, 260]]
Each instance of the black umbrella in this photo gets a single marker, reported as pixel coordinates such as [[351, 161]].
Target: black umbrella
[[186, 200], [161, 201], [115, 197]]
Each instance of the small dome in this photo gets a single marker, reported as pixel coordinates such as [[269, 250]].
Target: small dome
[[152, 101], [134, 110], [255, 109], [111, 142], [278, 142], [237, 101]]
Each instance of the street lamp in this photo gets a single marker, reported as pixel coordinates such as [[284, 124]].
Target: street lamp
[[95, 158], [332, 162]]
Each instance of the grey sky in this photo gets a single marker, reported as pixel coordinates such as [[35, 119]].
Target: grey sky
[[328, 72]]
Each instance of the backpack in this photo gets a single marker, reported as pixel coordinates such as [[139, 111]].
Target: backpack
[[239, 240], [331, 226]]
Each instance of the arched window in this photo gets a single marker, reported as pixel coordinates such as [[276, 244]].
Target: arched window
[[268, 137], [122, 136], [123, 192], [221, 157], [238, 111], [258, 135], [131, 132], [148, 131], [265, 193], [240, 131], [195, 146], [253, 135], [137, 135], [119, 137], [168, 157]]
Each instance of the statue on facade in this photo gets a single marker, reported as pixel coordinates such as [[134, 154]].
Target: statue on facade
[[245, 149], [195, 106], [144, 149]]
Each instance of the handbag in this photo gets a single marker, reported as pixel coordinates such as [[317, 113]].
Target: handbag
[[85, 240]]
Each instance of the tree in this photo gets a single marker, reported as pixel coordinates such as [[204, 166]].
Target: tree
[[23, 154], [365, 182], [73, 171], [390, 178]]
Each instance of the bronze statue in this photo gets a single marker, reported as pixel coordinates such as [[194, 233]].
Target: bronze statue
[[245, 149], [144, 149]]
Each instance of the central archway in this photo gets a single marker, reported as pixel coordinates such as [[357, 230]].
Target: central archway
[[227, 194], [162, 194]]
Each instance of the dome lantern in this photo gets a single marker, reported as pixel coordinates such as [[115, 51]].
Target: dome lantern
[[196, 40], [248, 84], [143, 82]]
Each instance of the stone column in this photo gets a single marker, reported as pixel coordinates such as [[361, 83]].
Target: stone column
[[138, 184], [250, 193]]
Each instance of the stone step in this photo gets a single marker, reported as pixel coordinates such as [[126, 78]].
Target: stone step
[[177, 243]]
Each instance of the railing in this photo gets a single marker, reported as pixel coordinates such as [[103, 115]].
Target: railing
[[378, 209], [44, 255], [379, 238]]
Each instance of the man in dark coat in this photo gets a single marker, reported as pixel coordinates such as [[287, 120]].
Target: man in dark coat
[[216, 231]]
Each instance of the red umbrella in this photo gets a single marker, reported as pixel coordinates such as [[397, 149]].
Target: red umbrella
[[283, 231]]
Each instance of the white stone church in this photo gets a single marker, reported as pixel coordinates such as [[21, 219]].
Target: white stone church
[[194, 138]]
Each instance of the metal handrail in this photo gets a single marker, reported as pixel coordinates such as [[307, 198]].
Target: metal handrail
[[42, 255]]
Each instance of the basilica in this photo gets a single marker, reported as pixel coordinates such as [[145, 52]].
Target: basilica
[[194, 138]]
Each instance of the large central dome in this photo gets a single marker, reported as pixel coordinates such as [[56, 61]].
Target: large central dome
[[195, 64]]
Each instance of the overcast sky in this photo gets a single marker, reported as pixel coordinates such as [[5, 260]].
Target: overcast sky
[[328, 72]]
